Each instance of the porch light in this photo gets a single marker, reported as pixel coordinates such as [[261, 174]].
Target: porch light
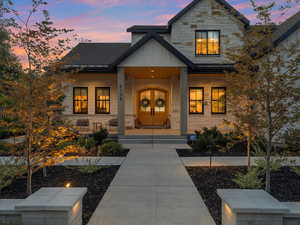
[[68, 185]]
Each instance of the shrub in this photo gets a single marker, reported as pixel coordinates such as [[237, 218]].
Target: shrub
[[100, 136], [89, 169], [292, 139], [250, 180], [111, 148], [210, 140], [87, 142]]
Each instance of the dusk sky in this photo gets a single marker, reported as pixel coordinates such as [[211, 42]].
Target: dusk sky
[[107, 20]]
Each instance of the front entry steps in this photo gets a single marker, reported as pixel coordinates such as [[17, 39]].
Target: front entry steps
[[152, 139]]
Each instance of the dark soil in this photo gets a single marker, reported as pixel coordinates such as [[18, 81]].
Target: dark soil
[[97, 184], [191, 153], [119, 154], [285, 185]]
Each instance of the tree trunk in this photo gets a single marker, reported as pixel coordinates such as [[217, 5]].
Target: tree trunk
[[249, 150], [29, 180], [269, 144], [45, 172]]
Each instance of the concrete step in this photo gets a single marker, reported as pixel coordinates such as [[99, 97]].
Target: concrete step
[[152, 139]]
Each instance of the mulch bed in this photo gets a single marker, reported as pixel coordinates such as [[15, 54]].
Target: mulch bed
[[190, 153], [285, 185], [119, 154], [97, 184]]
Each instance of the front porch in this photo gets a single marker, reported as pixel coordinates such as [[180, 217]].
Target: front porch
[[152, 97]]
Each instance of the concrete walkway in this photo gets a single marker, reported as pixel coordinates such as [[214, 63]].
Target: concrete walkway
[[152, 187]]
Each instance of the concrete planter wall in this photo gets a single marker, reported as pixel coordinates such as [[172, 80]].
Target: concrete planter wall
[[48, 206], [256, 207]]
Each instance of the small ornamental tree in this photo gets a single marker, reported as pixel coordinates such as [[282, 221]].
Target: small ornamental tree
[[274, 74], [38, 91]]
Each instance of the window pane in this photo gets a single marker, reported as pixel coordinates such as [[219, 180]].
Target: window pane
[[213, 42], [196, 100], [201, 43], [80, 100], [218, 98], [102, 100]]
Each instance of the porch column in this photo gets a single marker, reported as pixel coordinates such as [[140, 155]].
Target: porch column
[[121, 101], [183, 101]]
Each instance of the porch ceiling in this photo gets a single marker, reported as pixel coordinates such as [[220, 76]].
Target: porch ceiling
[[152, 72]]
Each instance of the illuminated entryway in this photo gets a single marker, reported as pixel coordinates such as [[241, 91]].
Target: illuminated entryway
[[152, 108]]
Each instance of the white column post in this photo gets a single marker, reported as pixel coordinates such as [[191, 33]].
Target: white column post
[[183, 101], [121, 101]]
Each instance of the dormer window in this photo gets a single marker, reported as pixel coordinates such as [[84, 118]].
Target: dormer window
[[207, 42]]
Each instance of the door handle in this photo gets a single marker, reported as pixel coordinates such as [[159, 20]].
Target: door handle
[[152, 111]]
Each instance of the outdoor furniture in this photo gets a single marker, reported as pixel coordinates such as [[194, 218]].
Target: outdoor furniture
[[97, 126], [113, 123], [83, 125]]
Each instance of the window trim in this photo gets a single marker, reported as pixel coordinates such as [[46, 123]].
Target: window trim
[[87, 95], [199, 55], [99, 113], [211, 105], [196, 113]]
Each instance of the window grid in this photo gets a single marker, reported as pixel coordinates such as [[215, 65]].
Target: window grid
[[207, 42], [80, 100], [102, 97], [196, 100], [218, 100]]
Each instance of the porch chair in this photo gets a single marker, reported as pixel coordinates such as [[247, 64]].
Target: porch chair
[[83, 125]]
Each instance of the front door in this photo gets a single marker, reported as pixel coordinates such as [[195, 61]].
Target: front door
[[152, 107]]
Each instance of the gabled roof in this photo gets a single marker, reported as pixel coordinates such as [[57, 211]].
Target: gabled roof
[[227, 6], [286, 28], [148, 28], [160, 40], [95, 54]]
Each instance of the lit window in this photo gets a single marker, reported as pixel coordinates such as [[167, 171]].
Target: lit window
[[218, 100], [80, 100], [207, 42], [102, 100], [196, 100]]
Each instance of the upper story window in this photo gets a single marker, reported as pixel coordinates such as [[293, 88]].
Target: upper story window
[[80, 100], [218, 100], [102, 100], [207, 42]]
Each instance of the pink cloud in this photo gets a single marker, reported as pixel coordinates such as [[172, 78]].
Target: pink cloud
[[241, 6], [163, 19]]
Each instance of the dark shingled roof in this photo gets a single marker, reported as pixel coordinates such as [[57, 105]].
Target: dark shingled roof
[[148, 28], [227, 6], [286, 28], [95, 54]]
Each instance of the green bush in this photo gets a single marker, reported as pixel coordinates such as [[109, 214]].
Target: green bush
[[210, 140], [111, 149], [292, 139], [87, 142], [250, 180], [100, 136]]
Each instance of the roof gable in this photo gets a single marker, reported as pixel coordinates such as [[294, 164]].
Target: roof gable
[[227, 6], [153, 36], [285, 29]]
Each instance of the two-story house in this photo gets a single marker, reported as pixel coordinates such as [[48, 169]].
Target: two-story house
[[169, 77]]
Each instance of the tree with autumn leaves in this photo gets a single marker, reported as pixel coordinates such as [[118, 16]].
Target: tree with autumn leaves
[[264, 88], [38, 91]]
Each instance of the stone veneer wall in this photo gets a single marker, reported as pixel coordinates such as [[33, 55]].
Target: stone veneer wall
[[134, 85], [206, 15]]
